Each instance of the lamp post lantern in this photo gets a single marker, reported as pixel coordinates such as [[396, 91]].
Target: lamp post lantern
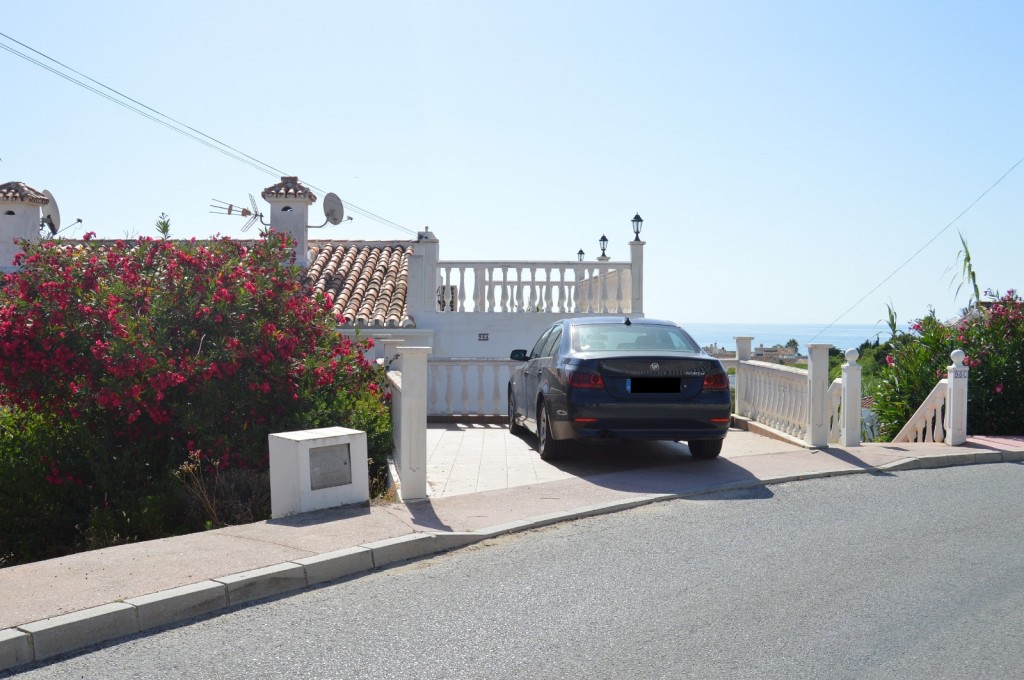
[[638, 223]]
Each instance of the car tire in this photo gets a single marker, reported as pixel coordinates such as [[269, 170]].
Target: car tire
[[514, 427], [548, 447], [705, 448]]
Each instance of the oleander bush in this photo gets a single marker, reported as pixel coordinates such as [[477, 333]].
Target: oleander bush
[[991, 334], [138, 378]]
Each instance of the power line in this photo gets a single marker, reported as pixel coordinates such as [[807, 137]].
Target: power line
[[921, 249], [172, 124]]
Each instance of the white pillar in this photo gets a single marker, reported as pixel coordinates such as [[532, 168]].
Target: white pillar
[[743, 344], [412, 447], [636, 277], [817, 394], [390, 353], [956, 399], [424, 277], [850, 435], [289, 203]]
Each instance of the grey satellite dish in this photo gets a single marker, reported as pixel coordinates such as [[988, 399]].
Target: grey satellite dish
[[51, 214], [334, 211]]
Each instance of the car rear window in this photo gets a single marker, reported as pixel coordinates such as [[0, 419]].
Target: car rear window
[[636, 337]]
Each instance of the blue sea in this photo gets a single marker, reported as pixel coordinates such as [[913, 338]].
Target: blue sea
[[840, 336]]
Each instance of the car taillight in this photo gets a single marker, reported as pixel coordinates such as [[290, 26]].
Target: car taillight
[[585, 380], [716, 381]]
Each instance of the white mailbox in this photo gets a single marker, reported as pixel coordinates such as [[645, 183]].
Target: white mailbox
[[317, 469]]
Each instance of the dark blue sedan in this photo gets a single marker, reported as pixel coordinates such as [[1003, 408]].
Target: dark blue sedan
[[609, 377]]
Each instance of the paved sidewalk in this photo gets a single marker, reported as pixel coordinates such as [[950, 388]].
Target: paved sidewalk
[[483, 483]]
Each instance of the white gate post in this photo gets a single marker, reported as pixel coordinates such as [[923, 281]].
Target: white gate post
[[956, 399], [412, 448], [850, 435], [743, 352], [817, 394]]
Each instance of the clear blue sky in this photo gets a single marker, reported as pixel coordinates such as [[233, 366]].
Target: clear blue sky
[[786, 156]]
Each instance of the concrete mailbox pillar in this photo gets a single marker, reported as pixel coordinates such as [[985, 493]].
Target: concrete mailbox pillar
[[317, 469]]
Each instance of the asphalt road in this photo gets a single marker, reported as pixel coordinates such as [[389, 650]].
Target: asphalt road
[[910, 575]]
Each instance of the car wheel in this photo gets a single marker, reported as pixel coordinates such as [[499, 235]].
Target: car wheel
[[548, 447], [513, 425], [705, 448]]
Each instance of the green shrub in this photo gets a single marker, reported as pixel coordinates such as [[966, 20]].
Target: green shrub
[[992, 337]]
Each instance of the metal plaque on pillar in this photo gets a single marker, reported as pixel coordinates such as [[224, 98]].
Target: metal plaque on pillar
[[330, 466]]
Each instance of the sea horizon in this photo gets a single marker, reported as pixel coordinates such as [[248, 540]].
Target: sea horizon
[[840, 336]]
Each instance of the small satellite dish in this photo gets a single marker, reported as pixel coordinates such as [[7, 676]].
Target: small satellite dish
[[51, 214], [334, 211]]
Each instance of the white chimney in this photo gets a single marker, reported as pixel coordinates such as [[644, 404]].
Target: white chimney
[[19, 219], [289, 212]]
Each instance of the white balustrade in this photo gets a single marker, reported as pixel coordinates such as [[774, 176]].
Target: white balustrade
[[560, 287], [942, 417], [469, 387], [774, 396]]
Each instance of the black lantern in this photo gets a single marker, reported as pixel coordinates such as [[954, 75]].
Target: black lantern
[[638, 223], [580, 255], [603, 242]]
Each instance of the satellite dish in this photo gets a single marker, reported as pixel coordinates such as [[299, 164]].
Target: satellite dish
[[334, 211], [51, 214]]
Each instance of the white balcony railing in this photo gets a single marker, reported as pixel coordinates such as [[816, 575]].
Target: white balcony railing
[[774, 396], [468, 387], [564, 287]]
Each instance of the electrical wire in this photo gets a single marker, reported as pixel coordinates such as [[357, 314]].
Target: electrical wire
[[172, 124], [921, 249]]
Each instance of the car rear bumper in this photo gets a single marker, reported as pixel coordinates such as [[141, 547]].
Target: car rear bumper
[[663, 422]]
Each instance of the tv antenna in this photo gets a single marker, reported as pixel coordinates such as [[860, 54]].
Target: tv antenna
[[224, 208]]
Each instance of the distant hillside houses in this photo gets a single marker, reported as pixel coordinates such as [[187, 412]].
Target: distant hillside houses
[[779, 354]]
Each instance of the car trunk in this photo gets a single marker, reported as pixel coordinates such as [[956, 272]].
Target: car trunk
[[656, 377]]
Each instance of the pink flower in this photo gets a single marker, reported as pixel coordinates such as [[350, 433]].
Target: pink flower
[[999, 388], [889, 360]]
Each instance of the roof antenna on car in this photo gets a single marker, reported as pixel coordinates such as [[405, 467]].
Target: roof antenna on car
[[628, 322]]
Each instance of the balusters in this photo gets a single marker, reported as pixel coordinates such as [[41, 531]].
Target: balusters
[[619, 302], [504, 289], [447, 389], [547, 289], [492, 302], [533, 290], [462, 289], [497, 405], [478, 407], [479, 288], [519, 289]]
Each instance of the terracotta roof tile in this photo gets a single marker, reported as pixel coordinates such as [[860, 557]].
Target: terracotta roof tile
[[368, 283], [19, 192], [289, 187]]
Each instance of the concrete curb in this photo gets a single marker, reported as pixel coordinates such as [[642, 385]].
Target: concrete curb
[[41, 640]]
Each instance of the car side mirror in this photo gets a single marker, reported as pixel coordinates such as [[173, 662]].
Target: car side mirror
[[519, 355]]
